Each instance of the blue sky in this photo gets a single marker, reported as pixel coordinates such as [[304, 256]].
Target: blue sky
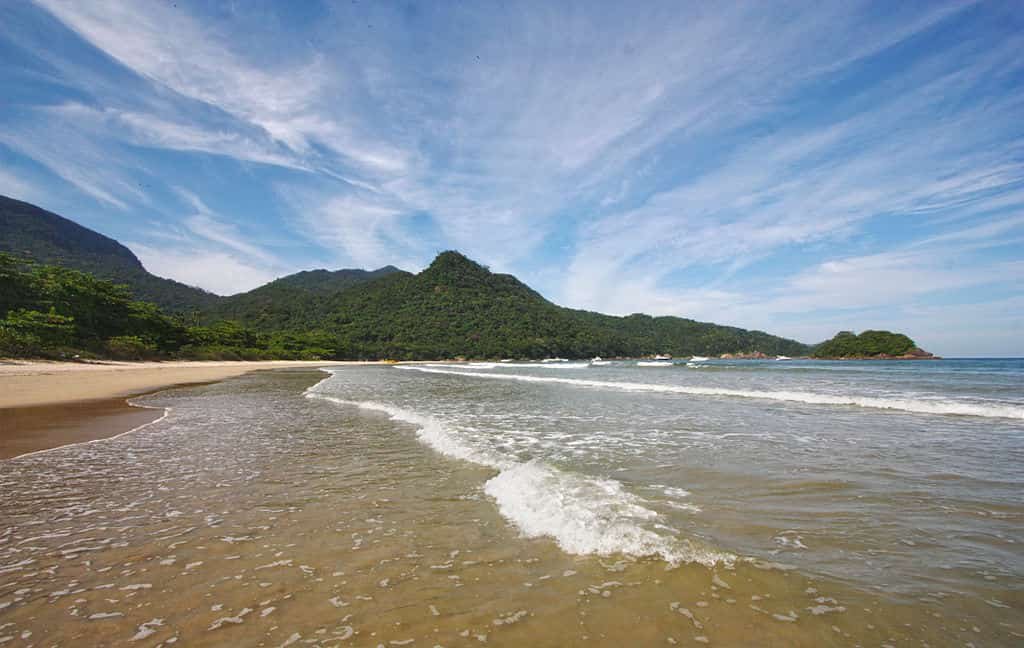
[[795, 167]]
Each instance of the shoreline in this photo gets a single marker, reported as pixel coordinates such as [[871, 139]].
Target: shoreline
[[34, 383], [47, 405], [42, 428]]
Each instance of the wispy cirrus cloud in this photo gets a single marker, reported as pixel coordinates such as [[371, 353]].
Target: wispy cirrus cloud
[[667, 158], [14, 185], [206, 250], [175, 51], [216, 271]]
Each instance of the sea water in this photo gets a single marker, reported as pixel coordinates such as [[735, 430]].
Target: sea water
[[726, 502]]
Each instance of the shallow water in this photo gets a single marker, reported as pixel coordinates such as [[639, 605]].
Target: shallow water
[[463, 505]]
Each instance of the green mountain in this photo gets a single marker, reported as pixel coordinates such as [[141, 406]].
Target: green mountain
[[27, 231], [457, 307], [285, 302]]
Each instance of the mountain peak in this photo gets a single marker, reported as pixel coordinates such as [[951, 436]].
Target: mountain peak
[[451, 261]]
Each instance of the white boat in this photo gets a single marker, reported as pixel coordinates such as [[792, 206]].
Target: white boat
[[655, 363], [546, 360], [698, 359], [598, 361], [781, 357], [662, 357]]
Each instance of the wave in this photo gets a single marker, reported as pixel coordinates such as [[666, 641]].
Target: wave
[[583, 515], [513, 365], [429, 431], [916, 406], [550, 365], [587, 515]]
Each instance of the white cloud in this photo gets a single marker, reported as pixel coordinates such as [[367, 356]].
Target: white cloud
[[804, 184], [647, 143], [216, 271], [205, 223], [150, 130], [362, 228], [171, 48], [75, 158], [886, 290], [14, 186]]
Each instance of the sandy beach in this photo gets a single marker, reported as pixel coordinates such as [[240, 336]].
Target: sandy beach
[[24, 384], [45, 405]]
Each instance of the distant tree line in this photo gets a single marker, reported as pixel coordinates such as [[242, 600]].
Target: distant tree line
[[454, 308]]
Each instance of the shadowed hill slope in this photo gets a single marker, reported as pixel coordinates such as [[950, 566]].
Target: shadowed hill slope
[[31, 232]]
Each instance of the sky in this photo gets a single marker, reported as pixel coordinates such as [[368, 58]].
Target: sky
[[799, 168]]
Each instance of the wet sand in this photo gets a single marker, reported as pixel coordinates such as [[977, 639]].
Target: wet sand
[[42, 427], [253, 516], [46, 405]]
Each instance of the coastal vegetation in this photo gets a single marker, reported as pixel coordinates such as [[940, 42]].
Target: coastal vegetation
[[66, 290], [454, 308], [52, 312], [869, 344]]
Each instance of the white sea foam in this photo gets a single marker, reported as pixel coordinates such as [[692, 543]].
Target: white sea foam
[[549, 365], [586, 515], [916, 406], [430, 432], [583, 515], [514, 365], [673, 491]]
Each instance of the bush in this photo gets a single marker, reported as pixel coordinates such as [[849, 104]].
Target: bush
[[130, 347], [16, 344], [314, 354], [46, 329]]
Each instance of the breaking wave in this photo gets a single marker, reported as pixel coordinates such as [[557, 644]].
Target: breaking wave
[[916, 406], [583, 515]]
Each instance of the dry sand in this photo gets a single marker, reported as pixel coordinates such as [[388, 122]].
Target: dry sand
[[24, 384], [45, 405]]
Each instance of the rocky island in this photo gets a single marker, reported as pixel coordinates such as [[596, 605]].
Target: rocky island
[[870, 345]]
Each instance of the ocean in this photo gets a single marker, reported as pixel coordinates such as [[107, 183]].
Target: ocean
[[760, 503]]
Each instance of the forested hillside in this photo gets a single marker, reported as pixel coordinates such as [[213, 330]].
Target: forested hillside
[[454, 308], [54, 312], [30, 232], [457, 307], [288, 300], [869, 344]]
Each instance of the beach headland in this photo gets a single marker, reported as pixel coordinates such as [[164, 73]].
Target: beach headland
[[45, 405]]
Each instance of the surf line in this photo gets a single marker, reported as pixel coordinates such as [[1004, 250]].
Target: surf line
[[521, 491], [894, 404]]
